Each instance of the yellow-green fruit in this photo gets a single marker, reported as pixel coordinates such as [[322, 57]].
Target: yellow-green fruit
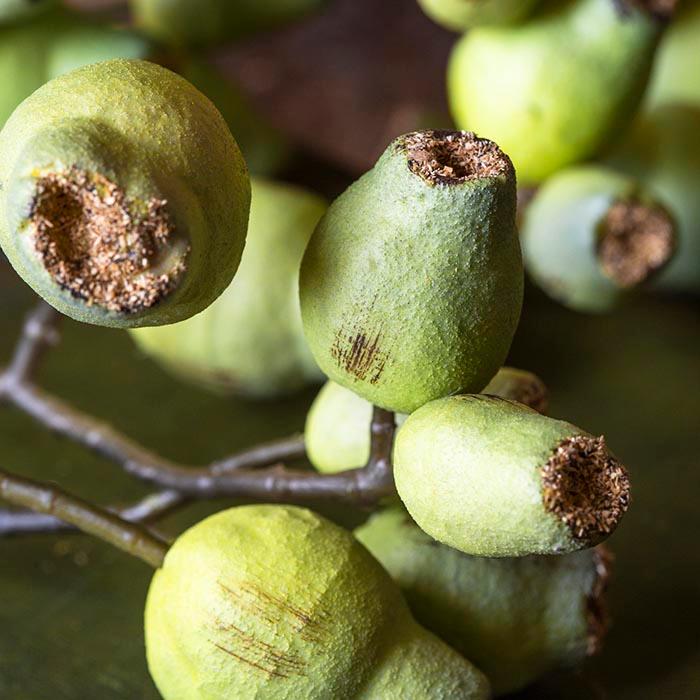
[[411, 285], [277, 602], [124, 198], [491, 477], [557, 89], [516, 619], [250, 340], [461, 15], [16, 10], [337, 433]]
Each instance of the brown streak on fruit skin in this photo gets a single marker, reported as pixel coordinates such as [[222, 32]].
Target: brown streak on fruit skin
[[359, 354], [270, 672]]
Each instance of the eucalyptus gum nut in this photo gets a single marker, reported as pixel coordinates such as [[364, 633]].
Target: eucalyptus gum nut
[[491, 477], [139, 173], [250, 340], [16, 10], [662, 149], [411, 285], [517, 619], [591, 237], [277, 602], [460, 15], [557, 89]]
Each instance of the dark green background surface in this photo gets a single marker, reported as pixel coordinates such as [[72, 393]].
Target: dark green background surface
[[71, 608]]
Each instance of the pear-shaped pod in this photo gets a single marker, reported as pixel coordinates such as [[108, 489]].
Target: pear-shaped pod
[[411, 286], [516, 619], [277, 602], [124, 198], [591, 237], [250, 340], [494, 478], [460, 15], [17, 10], [557, 89]]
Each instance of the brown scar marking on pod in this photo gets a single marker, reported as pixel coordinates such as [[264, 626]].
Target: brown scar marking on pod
[[597, 616], [250, 662], [360, 354]]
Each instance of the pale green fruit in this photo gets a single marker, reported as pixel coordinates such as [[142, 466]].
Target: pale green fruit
[[337, 433], [592, 237], [516, 619], [277, 602], [460, 15], [250, 340], [16, 10], [491, 477], [124, 196], [557, 89], [411, 285]]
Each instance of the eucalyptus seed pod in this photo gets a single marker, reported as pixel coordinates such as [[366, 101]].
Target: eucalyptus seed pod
[[277, 602], [460, 15], [491, 477], [250, 340], [411, 285], [20, 10], [337, 432], [559, 88], [124, 196], [517, 619], [591, 237]]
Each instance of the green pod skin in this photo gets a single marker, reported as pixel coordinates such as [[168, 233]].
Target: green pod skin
[[662, 150], [337, 432], [592, 237], [208, 22], [517, 619], [125, 198], [250, 340], [20, 10], [411, 286], [558, 89], [277, 602], [460, 15], [493, 478]]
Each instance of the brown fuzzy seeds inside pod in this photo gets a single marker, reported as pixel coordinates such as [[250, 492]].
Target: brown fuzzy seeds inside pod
[[597, 615], [585, 487], [636, 241], [452, 157], [99, 245]]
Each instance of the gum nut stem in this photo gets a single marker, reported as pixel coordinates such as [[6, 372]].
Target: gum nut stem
[[591, 237], [491, 477], [250, 340], [411, 286], [558, 89], [460, 15], [267, 602], [337, 432], [124, 198], [517, 619]]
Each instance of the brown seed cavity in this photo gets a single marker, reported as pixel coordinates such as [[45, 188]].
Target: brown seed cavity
[[636, 241], [597, 616], [453, 157], [585, 487], [102, 247]]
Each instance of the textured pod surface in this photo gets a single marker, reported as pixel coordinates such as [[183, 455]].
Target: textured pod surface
[[592, 236], [491, 477], [250, 340], [516, 619], [277, 602], [125, 198], [557, 89], [411, 285], [16, 10], [461, 15]]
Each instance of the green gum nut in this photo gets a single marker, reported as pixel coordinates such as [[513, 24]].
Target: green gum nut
[[491, 477], [460, 15], [250, 340], [337, 432], [412, 283], [18, 10], [516, 619], [277, 602], [556, 90], [662, 149], [124, 196], [592, 236]]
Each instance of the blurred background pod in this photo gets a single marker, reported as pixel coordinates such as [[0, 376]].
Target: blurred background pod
[[460, 15], [19, 10]]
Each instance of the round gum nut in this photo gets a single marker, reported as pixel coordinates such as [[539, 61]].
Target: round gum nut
[[460, 15]]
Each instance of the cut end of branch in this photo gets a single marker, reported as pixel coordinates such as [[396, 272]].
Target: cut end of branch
[[98, 245], [586, 488], [597, 615], [636, 241], [453, 157]]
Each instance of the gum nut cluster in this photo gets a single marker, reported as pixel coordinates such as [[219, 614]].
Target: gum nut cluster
[[270, 602], [124, 197]]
